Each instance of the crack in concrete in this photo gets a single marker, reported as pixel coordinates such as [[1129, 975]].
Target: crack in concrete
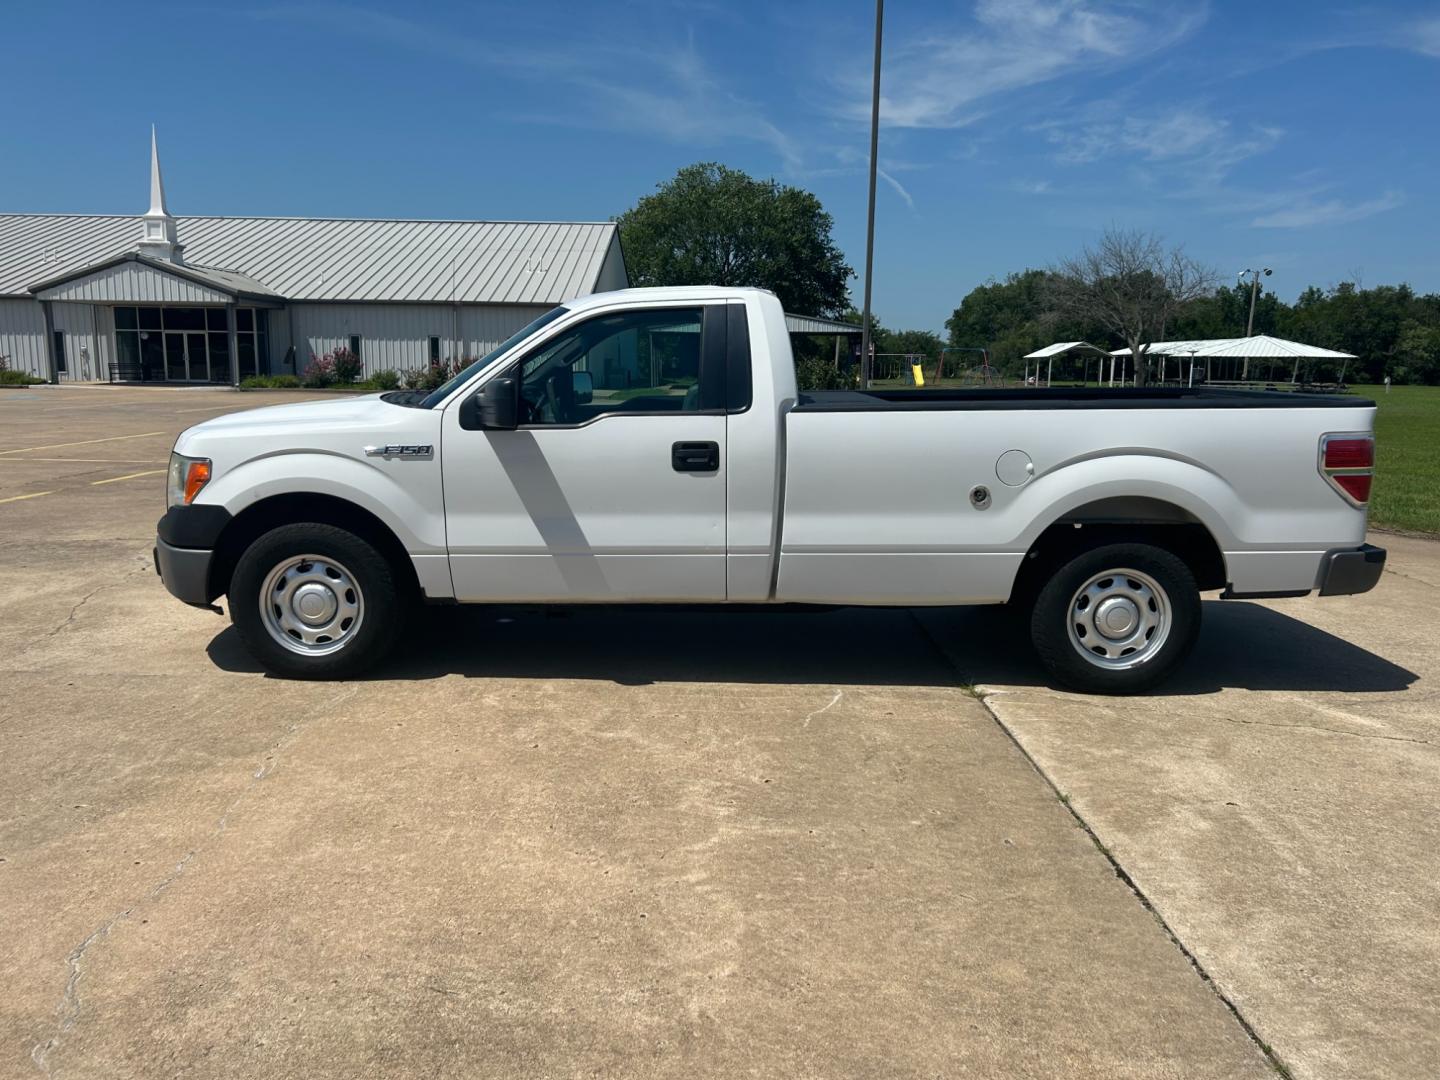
[[75, 610], [824, 708], [1318, 727], [1408, 577], [69, 1008]]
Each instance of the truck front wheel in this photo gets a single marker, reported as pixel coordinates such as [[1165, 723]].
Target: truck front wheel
[[1116, 619], [314, 601]]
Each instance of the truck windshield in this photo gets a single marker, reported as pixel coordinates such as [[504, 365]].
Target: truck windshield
[[439, 395]]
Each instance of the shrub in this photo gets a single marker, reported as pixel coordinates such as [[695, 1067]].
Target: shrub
[[346, 364], [427, 378], [18, 378], [320, 373], [814, 373], [384, 380], [269, 382]]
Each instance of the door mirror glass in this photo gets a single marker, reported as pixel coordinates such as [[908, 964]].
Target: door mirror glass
[[497, 405], [584, 384]]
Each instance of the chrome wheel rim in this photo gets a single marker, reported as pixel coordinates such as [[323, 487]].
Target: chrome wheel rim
[[1119, 619], [311, 605]]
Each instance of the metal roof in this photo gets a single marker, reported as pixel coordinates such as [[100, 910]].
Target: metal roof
[[224, 280], [1261, 346], [1061, 347], [813, 324], [379, 261]]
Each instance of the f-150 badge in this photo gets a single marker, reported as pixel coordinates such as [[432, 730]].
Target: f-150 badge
[[399, 451]]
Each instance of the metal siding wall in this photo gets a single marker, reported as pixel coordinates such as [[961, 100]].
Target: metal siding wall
[[612, 271], [396, 337], [393, 336], [130, 283], [82, 326], [280, 341], [483, 326], [22, 335]]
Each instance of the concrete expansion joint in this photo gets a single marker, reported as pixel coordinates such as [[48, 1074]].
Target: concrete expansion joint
[[70, 1006], [1124, 875], [985, 698]]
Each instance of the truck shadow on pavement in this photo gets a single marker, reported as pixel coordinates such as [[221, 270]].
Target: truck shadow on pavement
[[1242, 645]]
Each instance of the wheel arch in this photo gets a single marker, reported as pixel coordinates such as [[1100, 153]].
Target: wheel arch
[[1122, 519], [292, 508]]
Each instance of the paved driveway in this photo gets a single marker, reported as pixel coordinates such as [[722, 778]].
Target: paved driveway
[[687, 843]]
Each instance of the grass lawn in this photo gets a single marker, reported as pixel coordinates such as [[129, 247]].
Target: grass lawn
[[1407, 448]]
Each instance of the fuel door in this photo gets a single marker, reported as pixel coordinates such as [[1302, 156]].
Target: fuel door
[[1014, 468]]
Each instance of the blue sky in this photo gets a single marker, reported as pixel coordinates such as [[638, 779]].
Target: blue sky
[[1302, 136]]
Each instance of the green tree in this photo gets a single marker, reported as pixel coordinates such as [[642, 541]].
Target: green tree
[[712, 225], [1130, 283]]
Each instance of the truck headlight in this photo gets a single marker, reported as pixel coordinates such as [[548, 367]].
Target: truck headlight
[[187, 476]]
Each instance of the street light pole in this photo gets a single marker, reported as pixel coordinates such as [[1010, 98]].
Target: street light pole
[[1250, 323], [870, 221]]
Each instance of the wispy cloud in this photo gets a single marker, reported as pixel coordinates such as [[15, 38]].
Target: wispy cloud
[[1309, 212], [664, 89], [944, 78], [1031, 187], [1423, 37], [1193, 142], [899, 187]]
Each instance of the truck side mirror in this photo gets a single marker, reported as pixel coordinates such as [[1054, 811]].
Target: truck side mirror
[[498, 404], [584, 384]]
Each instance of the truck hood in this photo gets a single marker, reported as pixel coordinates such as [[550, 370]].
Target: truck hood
[[307, 425]]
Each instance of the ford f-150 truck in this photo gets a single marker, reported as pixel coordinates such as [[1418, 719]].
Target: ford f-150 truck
[[651, 445]]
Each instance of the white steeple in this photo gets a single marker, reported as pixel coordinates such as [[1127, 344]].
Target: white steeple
[[159, 240]]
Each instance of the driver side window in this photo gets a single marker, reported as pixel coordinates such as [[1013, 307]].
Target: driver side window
[[631, 361]]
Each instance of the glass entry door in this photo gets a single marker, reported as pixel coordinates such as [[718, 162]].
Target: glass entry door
[[196, 358], [186, 359], [176, 370]]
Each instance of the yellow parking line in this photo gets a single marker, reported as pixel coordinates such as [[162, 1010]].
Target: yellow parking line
[[32, 495], [82, 442], [87, 460], [127, 476]]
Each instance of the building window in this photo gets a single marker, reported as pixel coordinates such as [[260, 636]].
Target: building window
[[189, 344], [434, 350], [355, 345], [60, 365]]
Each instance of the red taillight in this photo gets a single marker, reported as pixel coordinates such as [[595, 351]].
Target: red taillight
[[1356, 485], [1349, 453], [1348, 463]]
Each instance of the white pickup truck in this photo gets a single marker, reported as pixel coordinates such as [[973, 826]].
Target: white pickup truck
[[651, 446]]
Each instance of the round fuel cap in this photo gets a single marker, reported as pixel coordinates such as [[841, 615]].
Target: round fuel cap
[[1014, 468]]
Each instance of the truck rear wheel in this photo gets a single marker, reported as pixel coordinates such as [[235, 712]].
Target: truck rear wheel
[[1116, 619], [314, 601]]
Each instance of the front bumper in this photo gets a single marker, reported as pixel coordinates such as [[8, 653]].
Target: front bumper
[[185, 572], [1354, 570], [185, 541]]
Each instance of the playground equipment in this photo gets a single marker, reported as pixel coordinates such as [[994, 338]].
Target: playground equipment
[[987, 375]]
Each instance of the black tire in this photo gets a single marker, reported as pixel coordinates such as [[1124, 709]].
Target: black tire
[[363, 575], [1058, 620]]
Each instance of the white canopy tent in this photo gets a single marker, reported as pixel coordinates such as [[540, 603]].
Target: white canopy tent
[[1258, 347], [1062, 348]]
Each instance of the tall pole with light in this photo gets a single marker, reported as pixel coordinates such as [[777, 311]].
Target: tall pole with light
[[865, 343], [1250, 323]]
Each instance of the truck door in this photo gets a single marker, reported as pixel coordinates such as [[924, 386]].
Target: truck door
[[612, 487]]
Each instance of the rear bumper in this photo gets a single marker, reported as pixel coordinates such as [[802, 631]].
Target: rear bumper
[[185, 572], [1354, 570]]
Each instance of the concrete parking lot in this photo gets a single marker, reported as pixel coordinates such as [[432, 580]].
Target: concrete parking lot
[[688, 843]]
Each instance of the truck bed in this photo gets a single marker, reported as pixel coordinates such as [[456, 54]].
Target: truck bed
[[1159, 397]]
